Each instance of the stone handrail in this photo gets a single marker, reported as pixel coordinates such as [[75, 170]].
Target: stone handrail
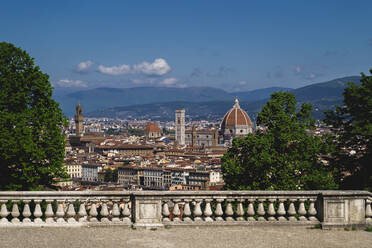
[[159, 208]]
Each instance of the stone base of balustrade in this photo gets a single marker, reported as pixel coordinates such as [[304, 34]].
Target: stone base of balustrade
[[66, 223], [150, 225], [241, 223], [333, 226], [41, 224]]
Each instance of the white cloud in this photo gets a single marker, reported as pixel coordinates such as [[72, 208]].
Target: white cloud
[[84, 66], [169, 81], [67, 83], [115, 70], [158, 68], [243, 83]]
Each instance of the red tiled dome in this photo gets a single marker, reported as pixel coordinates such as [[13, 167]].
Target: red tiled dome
[[152, 127], [236, 117]]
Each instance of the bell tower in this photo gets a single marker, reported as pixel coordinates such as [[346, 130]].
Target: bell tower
[[79, 120], [180, 126]]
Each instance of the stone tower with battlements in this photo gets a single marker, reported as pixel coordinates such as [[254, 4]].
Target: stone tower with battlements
[[79, 120]]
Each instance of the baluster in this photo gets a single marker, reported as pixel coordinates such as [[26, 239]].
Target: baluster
[[208, 211], [4, 212], [281, 210], [302, 210], [93, 212], [218, 211], [126, 212], [71, 213], [197, 210], [229, 212], [60, 213], [312, 211], [15, 212], [165, 212], [37, 212], [49, 214], [82, 212], [271, 210], [292, 210], [368, 211], [26, 213], [250, 210], [261, 210], [187, 211], [115, 211], [176, 211], [104, 212], [240, 210]]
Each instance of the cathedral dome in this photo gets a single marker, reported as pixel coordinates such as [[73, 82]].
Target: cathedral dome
[[152, 127], [236, 121]]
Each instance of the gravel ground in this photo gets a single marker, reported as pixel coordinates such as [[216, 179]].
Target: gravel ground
[[182, 237]]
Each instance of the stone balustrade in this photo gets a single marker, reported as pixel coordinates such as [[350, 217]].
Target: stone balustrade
[[159, 208], [65, 208]]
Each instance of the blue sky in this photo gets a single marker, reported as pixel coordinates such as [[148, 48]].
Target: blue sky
[[233, 45]]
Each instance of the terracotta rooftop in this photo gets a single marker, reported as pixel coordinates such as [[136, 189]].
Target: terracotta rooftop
[[124, 146]]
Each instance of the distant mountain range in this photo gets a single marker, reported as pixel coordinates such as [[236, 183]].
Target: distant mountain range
[[159, 103], [102, 98]]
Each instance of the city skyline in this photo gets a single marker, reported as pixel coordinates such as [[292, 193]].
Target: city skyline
[[234, 46]]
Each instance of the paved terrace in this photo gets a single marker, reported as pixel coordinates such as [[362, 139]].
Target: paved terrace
[[233, 236]]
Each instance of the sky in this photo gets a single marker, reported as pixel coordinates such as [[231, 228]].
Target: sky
[[232, 45]]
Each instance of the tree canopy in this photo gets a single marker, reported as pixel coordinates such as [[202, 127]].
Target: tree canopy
[[111, 175], [282, 155], [352, 125], [32, 145]]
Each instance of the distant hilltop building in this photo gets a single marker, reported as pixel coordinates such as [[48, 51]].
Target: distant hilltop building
[[152, 131], [180, 126], [235, 123]]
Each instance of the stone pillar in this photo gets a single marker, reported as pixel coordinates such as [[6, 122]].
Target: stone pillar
[[341, 208], [148, 210]]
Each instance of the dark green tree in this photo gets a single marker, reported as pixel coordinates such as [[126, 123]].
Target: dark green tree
[[352, 125], [283, 156], [115, 175], [111, 175], [32, 145], [108, 175]]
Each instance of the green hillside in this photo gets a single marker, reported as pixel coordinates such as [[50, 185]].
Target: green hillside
[[323, 96]]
